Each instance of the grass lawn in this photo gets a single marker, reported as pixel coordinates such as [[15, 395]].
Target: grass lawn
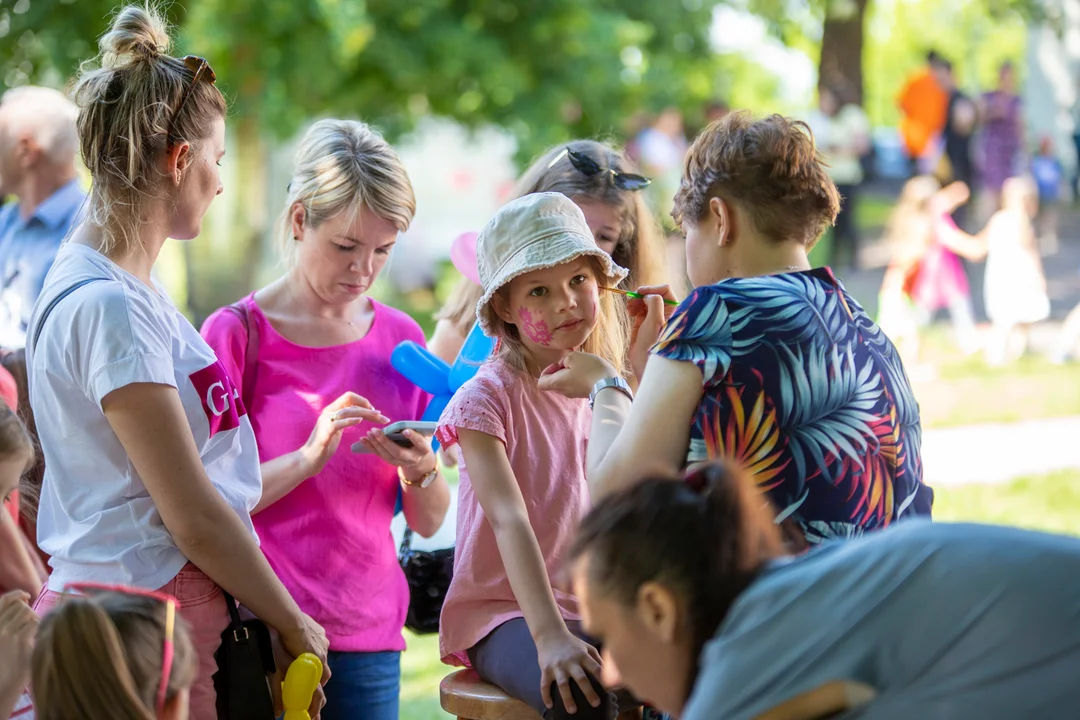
[[967, 391], [1050, 502]]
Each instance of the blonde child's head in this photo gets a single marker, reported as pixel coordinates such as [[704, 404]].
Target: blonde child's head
[[103, 655], [16, 451], [1020, 194], [911, 222], [542, 273], [619, 219]]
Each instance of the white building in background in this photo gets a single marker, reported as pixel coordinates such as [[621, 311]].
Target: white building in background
[[1051, 89]]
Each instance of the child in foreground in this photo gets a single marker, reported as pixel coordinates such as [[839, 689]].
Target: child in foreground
[[113, 653], [523, 490]]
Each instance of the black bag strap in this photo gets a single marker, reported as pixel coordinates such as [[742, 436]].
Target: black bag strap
[[52, 306], [236, 623], [251, 352]]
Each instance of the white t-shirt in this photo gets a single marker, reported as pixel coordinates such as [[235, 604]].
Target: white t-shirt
[[96, 518]]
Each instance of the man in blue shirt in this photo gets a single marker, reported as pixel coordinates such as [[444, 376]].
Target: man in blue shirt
[[38, 142]]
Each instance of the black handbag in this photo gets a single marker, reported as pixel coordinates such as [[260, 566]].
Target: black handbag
[[428, 573], [245, 659]]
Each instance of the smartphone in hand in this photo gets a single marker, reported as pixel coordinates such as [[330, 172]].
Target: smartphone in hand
[[395, 431]]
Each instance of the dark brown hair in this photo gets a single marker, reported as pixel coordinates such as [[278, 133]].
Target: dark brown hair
[[705, 538], [769, 167], [101, 657]]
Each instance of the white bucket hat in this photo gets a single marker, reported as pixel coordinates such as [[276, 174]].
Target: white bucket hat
[[534, 232]]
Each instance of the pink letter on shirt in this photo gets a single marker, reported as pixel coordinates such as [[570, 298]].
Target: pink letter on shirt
[[220, 399]]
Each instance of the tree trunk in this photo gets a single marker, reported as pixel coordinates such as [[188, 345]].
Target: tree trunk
[[842, 47]]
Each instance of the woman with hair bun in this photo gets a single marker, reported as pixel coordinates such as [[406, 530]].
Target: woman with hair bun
[[152, 470]]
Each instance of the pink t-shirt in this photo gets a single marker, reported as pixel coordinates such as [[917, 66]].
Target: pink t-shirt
[[329, 539], [545, 435]]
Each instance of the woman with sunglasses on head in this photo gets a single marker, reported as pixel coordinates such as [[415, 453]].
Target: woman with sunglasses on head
[[602, 182], [115, 653], [152, 469]]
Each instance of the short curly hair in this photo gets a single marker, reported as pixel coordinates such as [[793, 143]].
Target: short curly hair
[[768, 167]]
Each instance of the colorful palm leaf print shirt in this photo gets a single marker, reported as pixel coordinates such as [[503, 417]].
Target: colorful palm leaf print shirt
[[803, 389]]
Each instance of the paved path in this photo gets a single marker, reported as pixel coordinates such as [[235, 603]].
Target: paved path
[[992, 453], [996, 453]]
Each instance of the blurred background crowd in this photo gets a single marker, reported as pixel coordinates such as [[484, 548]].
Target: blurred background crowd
[[952, 129]]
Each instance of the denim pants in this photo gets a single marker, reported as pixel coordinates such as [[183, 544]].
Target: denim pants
[[363, 685]]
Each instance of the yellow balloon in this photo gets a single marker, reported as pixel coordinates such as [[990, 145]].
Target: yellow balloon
[[303, 677]]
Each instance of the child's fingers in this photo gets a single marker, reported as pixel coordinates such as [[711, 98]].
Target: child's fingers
[[586, 685], [565, 693], [546, 681]]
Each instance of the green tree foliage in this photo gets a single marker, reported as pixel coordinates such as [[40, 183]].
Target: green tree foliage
[[546, 70]]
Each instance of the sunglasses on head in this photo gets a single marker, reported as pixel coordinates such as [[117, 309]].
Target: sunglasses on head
[[91, 590], [590, 168], [200, 69]]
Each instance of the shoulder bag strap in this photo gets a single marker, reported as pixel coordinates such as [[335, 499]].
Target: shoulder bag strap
[[251, 351], [234, 613], [52, 306]]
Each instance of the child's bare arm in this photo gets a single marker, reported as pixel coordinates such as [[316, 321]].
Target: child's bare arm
[[972, 247], [500, 497], [562, 656]]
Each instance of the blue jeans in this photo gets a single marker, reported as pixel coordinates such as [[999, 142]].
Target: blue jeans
[[363, 685]]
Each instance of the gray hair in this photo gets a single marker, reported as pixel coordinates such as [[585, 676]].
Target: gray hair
[[343, 166], [47, 116]]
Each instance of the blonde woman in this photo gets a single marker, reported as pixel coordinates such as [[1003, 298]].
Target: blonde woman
[[320, 380], [603, 183], [151, 465]]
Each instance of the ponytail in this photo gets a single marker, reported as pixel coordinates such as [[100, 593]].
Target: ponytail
[[705, 538], [101, 657]]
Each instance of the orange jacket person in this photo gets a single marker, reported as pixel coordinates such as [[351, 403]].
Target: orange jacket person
[[924, 105]]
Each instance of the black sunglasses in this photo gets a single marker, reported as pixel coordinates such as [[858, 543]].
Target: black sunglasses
[[589, 168], [199, 69]]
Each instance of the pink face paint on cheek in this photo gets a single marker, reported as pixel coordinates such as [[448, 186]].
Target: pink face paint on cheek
[[538, 332]]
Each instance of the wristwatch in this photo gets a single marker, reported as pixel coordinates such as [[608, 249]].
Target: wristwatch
[[612, 382], [422, 482]]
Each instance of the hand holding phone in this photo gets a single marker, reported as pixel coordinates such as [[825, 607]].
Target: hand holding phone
[[395, 432]]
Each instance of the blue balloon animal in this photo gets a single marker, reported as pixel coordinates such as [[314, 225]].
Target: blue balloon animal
[[435, 377]]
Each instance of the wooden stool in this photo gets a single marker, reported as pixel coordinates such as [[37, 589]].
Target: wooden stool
[[825, 701], [465, 696]]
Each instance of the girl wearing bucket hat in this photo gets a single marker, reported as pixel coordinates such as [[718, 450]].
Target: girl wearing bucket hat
[[522, 489], [604, 184]]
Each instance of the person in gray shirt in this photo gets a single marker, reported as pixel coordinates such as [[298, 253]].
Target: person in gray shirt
[[703, 613]]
